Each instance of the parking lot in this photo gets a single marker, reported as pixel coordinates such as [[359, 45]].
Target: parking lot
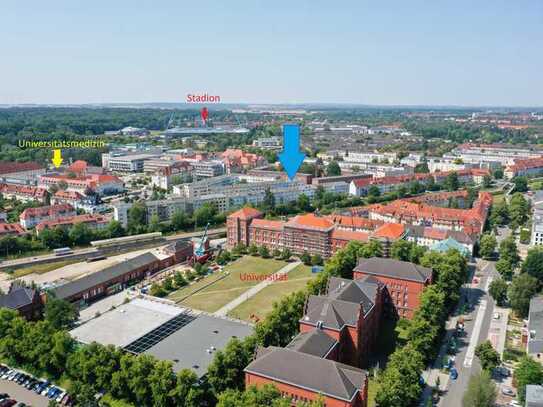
[[21, 394], [20, 389]]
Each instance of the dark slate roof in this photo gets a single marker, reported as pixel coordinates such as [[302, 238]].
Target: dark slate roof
[[402, 270], [17, 297], [361, 291], [314, 342], [100, 277], [330, 312], [535, 325], [309, 372]]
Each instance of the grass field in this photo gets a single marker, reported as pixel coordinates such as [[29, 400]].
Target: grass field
[[42, 268], [212, 298], [261, 304]]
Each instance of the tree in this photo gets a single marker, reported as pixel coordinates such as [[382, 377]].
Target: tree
[[487, 181], [154, 224], [333, 169], [519, 209], [316, 260], [481, 391], [521, 184], [451, 182], [400, 384], [179, 280], [226, 369], [205, 214], [505, 268], [137, 218], [422, 168], [521, 290], [115, 229], [60, 313], [498, 173], [187, 392], [527, 371], [499, 214], [303, 202], [489, 358], [276, 253], [498, 291], [167, 284], [253, 249], [374, 191], [533, 264], [487, 246], [286, 254], [263, 252], [179, 220], [306, 258], [80, 234], [400, 250], [508, 251], [268, 203]]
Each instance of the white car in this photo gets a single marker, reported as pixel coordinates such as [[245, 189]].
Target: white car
[[514, 403], [496, 315]]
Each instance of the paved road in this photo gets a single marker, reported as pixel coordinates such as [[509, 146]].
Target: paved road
[[477, 331], [251, 292]]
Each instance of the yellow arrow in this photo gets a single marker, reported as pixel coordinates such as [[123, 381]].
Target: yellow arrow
[[57, 158]]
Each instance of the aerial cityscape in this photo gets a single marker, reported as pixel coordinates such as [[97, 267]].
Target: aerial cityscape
[[239, 206]]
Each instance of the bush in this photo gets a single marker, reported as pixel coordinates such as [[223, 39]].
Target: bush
[[306, 258]]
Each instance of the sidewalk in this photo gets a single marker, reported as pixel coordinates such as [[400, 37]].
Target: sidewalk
[[255, 290]]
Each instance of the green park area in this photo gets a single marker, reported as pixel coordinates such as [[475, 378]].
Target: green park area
[[223, 290], [261, 304]]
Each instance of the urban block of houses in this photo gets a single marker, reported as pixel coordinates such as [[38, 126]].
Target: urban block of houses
[[96, 222], [23, 193], [101, 184], [237, 160], [30, 217], [529, 168]]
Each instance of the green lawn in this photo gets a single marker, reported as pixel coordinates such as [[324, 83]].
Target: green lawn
[[373, 386], [212, 298], [42, 268], [261, 304]]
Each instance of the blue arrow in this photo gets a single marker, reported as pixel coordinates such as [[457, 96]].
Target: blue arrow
[[291, 158]]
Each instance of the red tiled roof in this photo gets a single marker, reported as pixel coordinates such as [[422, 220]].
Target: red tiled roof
[[390, 231], [11, 228], [246, 213], [74, 195], [23, 190], [340, 234], [46, 211], [355, 222], [78, 166], [7, 167], [526, 164], [268, 224], [72, 220], [312, 221]]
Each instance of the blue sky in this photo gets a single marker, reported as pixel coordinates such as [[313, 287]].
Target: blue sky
[[417, 52]]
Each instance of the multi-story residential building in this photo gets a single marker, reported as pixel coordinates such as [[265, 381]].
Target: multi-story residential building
[[208, 169], [404, 281], [533, 335], [11, 229], [89, 204], [23, 193], [430, 237], [15, 173], [268, 143], [164, 209], [537, 220], [236, 160], [127, 162], [413, 212], [30, 217], [492, 154], [165, 174], [529, 168], [92, 221], [99, 183]]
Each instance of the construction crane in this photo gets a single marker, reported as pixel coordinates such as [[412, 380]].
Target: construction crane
[[201, 253]]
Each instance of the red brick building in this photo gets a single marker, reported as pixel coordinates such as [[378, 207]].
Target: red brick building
[[404, 281], [350, 313], [303, 233], [24, 300], [337, 333]]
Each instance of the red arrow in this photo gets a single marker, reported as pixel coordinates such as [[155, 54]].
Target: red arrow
[[204, 113]]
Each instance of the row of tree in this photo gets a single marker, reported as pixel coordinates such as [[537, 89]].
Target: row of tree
[[399, 383]]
